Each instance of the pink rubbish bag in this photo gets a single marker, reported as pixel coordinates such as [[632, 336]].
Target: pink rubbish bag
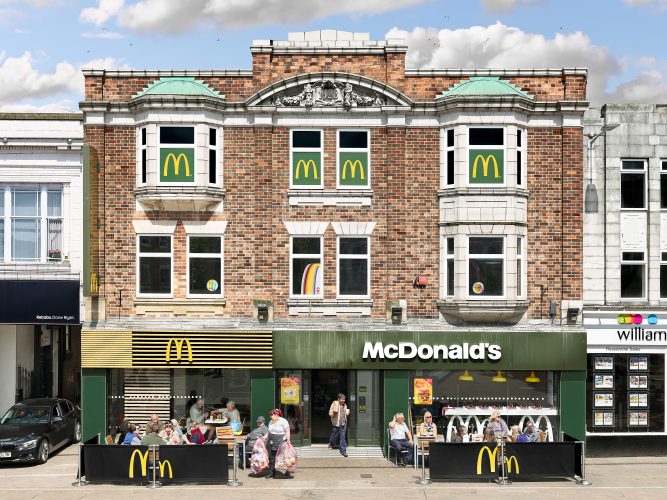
[[259, 459], [286, 458]]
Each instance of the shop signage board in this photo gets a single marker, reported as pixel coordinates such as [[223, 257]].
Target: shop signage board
[[627, 328], [39, 302], [423, 391], [289, 390]]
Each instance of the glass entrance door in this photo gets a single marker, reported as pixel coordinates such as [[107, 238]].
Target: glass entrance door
[[294, 397], [365, 409]]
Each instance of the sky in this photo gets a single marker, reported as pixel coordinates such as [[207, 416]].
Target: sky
[[45, 43]]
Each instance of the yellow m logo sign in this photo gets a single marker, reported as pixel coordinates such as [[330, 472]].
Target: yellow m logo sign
[[178, 343], [353, 169], [305, 165], [143, 460], [485, 166], [163, 466], [492, 459], [171, 157], [509, 464]]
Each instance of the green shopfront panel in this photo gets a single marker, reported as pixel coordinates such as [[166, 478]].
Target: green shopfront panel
[[573, 404], [93, 402], [262, 395]]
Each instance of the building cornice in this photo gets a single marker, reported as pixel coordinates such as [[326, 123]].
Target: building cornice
[[496, 72], [158, 73]]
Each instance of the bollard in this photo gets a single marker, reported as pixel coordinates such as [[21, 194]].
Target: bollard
[[233, 482], [155, 483], [99, 438], [79, 481], [582, 481], [503, 481], [424, 480]]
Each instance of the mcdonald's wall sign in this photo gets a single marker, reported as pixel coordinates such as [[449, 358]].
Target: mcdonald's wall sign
[[177, 165], [353, 169], [306, 169], [486, 166]]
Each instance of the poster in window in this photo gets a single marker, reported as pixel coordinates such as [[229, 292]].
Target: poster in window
[[289, 390], [604, 362], [638, 363], [638, 400], [638, 419], [604, 381], [604, 400], [638, 381], [603, 419], [423, 391]]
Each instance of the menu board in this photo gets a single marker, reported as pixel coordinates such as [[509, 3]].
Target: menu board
[[637, 400], [638, 363], [602, 381], [604, 363], [638, 381], [638, 418], [604, 400], [603, 419]]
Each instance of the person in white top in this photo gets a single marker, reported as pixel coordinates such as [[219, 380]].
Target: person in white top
[[401, 437], [278, 432]]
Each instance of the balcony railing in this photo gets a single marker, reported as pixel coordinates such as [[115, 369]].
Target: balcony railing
[[54, 240]]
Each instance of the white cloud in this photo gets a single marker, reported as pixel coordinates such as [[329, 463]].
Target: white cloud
[[64, 106], [659, 3], [34, 3], [106, 9], [500, 46], [107, 35], [21, 82], [506, 5], [175, 16]]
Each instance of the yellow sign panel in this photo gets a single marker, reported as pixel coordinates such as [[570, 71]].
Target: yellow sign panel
[[163, 466], [423, 391], [177, 163], [289, 390], [353, 169], [179, 349], [305, 165], [143, 460], [509, 464], [492, 459], [485, 166]]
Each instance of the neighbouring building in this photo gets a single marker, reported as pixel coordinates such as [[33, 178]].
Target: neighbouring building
[[625, 277], [40, 255], [328, 221]]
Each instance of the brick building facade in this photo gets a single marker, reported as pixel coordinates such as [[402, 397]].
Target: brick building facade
[[418, 203]]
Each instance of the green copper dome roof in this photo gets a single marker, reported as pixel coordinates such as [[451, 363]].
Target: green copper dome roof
[[178, 85], [484, 85]]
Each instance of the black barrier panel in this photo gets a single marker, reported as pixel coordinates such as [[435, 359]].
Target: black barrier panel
[[540, 459], [194, 464], [117, 463], [578, 458], [463, 460], [37, 302]]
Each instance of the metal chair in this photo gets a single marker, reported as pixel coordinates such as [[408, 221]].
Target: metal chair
[[390, 448]]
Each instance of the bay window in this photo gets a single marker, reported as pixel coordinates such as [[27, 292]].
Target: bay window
[[486, 155], [486, 266], [177, 154]]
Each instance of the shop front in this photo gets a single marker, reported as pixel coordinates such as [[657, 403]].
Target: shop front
[[460, 377], [626, 402], [129, 375]]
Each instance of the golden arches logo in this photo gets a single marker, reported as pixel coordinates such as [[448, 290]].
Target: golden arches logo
[[305, 165], [492, 459], [177, 164], [178, 343], [143, 461], [485, 166], [163, 466], [509, 464], [353, 169]]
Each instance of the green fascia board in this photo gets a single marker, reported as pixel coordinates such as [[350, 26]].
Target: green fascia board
[[484, 85], [557, 351], [178, 85]]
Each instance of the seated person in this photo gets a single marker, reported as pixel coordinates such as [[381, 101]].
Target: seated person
[[515, 432], [155, 420], [427, 428], [168, 435], [531, 433], [196, 435], [258, 432], [230, 412], [197, 413], [179, 432], [152, 436], [489, 435], [461, 435], [132, 436], [401, 438], [210, 435]]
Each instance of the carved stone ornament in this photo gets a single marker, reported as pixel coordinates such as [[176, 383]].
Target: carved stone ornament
[[329, 93]]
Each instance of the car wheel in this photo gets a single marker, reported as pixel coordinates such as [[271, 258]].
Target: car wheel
[[43, 451], [77, 432]]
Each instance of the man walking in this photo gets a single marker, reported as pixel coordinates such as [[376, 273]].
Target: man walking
[[339, 413]]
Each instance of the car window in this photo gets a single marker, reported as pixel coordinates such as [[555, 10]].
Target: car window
[[64, 409], [27, 415], [57, 412]]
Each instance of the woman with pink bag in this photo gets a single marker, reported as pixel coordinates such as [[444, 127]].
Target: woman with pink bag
[[278, 433]]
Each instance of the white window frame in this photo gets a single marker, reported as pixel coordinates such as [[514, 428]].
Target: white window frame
[[521, 149], [366, 150], [449, 257], [48, 217], [221, 256], [143, 149], [663, 171], [366, 256], [663, 262], [447, 149], [498, 148], [305, 256], [195, 156], [642, 263], [496, 256], [155, 254], [216, 148], [633, 171], [319, 150], [521, 266]]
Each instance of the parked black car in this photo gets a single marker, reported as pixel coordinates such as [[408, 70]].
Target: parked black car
[[32, 429]]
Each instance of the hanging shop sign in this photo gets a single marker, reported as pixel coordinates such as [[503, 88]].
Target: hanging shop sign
[[289, 390], [423, 391], [626, 329], [39, 302]]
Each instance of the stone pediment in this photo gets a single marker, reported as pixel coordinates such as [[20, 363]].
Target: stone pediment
[[329, 93]]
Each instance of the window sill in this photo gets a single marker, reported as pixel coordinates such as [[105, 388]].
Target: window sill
[[330, 307], [330, 197], [179, 198], [483, 191], [484, 311], [150, 306]]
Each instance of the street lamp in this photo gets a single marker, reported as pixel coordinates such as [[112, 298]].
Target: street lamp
[[591, 195]]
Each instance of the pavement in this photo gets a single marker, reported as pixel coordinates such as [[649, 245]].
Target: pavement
[[641, 477]]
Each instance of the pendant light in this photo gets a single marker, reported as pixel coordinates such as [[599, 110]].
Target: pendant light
[[532, 378], [466, 377], [499, 377]]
